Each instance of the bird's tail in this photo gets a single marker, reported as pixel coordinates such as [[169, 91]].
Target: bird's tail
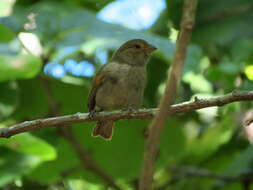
[[104, 129]]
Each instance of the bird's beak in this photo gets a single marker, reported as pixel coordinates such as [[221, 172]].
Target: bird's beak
[[150, 49]]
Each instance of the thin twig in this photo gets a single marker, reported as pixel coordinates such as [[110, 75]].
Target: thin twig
[[156, 127], [54, 107], [86, 160], [117, 115], [199, 172], [185, 172]]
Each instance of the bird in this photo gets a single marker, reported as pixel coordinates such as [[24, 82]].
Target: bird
[[120, 84]]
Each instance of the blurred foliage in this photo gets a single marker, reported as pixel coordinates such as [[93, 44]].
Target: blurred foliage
[[219, 61]]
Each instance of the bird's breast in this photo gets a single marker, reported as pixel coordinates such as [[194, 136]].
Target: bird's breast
[[126, 90]]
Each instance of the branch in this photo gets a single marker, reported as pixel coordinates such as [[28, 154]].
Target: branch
[[156, 127], [198, 172], [65, 120]]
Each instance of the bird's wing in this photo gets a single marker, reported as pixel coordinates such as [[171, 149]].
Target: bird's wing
[[99, 79]]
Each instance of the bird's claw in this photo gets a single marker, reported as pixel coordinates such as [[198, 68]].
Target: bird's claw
[[129, 109], [92, 113]]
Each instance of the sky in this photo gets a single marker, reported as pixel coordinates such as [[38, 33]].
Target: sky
[[134, 14]]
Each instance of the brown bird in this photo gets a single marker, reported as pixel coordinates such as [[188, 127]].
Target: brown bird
[[120, 83]]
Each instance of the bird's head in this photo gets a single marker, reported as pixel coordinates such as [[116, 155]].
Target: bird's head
[[134, 52]]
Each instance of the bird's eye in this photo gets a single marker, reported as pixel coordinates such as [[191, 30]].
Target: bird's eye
[[137, 46]]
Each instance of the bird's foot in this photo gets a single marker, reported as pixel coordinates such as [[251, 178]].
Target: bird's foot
[[94, 112], [129, 109]]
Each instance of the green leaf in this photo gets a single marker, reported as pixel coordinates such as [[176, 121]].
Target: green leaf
[[13, 165], [157, 73], [6, 34], [32, 100], [241, 163], [15, 22], [241, 51], [227, 67], [31, 145], [71, 97], [173, 143], [194, 55], [51, 171], [197, 82], [223, 79], [203, 147], [94, 5], [226, 28], [21, 66], [8, 98]]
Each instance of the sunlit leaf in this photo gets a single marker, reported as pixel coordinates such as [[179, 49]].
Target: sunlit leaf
[[13, 165], [249, 72], [21, 66], [213, 138], [6, 34], [31, 145]]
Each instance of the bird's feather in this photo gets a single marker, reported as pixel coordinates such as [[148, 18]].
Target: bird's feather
[[97, 82]]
